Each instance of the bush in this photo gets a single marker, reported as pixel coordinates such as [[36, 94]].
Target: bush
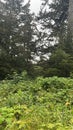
[[42, 104]]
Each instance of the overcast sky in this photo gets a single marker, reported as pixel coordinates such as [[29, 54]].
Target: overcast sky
[[35, 5]]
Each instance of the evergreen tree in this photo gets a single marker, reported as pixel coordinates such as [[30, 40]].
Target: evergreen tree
[[53, 17], [70, 17], [16, 34], [54, 20]]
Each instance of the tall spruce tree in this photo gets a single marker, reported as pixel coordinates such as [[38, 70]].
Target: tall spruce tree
[[53, 17], [54, 20], [70, 27], [70, 17], [15, 35]]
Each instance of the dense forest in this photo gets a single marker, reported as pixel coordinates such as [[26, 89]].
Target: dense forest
[[42, 44], [36, 65]]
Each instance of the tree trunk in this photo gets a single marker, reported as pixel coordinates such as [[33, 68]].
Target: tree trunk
[[70, 17]]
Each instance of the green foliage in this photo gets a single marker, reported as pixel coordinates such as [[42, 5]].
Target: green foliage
[[71, 74], [61, 63], [42, 104], [53, 15], [16, 33], [57, 42]]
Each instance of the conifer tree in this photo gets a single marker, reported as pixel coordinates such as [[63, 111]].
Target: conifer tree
[[16, 34], [54, 20]]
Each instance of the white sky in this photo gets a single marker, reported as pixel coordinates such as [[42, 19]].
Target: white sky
[[35, 5]]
